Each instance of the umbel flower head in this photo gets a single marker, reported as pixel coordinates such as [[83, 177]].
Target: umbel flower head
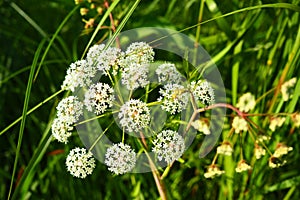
[[135, 75], [134, 115], [168, 146], [120, 158], [167, 73], [213, 171], [201, 126], [276, 122], [225, 149], [174, 98], [239, 124], [61, 130], [139, 53], [98, 98], [94, 52], [80, 163], [246, 102], [79, 74], [242, 166], [203, 92], [69, 109], [287, 89]]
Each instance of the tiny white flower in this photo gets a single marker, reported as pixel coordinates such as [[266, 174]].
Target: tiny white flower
[[79, 74], [120, 158], [134, 115], [242, 166], [135, 76], [168, 146], [225, 149], [61, 130], [80, 163], [201, 126], [213, 171], [276, 122], [296, 119], [98, 98], [246, 102], [94, 52], [174, 98], [287, 89], [259, 151], [239, 124], [281, 150], [203, 92], [108, 59], [69, 109], [139, 53], [275, 162], [167, 73]]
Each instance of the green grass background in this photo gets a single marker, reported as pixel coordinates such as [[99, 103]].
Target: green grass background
[[255, 45]]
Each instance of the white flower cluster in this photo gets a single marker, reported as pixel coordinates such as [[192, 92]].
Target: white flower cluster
[[225, 149], [68, 112], [242, 166], [246, 102], [203, 92], [276, 122], [134, 115], [168, 146], [120, 158], [201, 126], [287, 89], [213, 171], [79, 74], [98, 98], [239, 124], [259, 151], [168, 74], [174, 98], [108, 60], [80, 163], [135, 65]]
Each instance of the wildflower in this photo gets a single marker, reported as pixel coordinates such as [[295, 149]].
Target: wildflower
[[201, 126], [108, 59], [80, 163], [167, 73], [168, 145], [213, 171], [246, 102], [296, 119], [276, 122], [275, 162], [93, 53], [79, 74], [134, 115], [69, 109], [225, 149], [61, 130], [173, 97], [139, 53], [287, 89], [239, 124], [98, 98], [259, 151], [135, 75], [262, 138], [242, 166], [84, 11], [120, 158], [203, 92], [281, 150]]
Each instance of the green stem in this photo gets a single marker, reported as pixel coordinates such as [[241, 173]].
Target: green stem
[[30, 111]]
